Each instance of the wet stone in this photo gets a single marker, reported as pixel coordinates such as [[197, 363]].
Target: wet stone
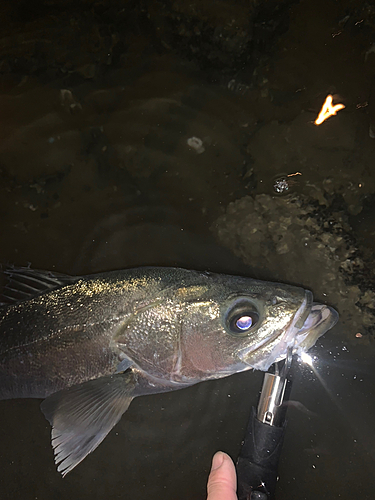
[[293, 240]]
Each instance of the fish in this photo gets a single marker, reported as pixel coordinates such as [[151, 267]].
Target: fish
[[88, 345]]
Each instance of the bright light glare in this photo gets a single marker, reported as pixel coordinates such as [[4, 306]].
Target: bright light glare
[[305, 358], [328, 110]]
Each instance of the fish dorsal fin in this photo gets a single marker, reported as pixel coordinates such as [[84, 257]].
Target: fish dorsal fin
[[24, 283], [82, 415]]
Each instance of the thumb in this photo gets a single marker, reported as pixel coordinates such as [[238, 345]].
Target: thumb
[[222, 481]]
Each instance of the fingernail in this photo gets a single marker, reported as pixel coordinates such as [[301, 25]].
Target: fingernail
[[217, 460]]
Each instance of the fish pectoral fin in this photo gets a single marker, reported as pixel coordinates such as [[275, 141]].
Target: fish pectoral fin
[[82, 415]]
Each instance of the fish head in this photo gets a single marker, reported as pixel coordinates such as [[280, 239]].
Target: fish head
[[243, 323]]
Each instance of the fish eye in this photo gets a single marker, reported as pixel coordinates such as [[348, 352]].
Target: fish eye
[[244, 322], [241, 318]]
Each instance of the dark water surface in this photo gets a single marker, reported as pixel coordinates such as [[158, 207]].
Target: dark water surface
[[153, 133]]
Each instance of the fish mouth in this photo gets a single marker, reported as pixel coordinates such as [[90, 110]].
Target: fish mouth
[[309, 323], [319, 320]]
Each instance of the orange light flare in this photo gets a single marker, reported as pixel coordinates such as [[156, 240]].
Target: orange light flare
[[328, 110]]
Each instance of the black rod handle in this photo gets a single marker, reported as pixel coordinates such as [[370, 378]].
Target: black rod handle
[[258, 460]]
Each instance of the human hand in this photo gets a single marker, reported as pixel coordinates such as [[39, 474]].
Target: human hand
[[222, 481]]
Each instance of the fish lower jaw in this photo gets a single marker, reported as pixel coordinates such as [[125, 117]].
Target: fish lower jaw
[[318, 319], [275, 348]]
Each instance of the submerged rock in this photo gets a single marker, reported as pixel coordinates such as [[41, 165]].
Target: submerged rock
[[297, 240]]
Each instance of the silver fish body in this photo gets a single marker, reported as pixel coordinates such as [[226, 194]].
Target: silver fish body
[[90, 344]]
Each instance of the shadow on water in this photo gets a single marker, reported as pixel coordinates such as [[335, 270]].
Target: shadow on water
[[152, 134]]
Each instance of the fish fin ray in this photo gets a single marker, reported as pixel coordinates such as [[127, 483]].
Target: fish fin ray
[[24, 283], [82, 416]]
